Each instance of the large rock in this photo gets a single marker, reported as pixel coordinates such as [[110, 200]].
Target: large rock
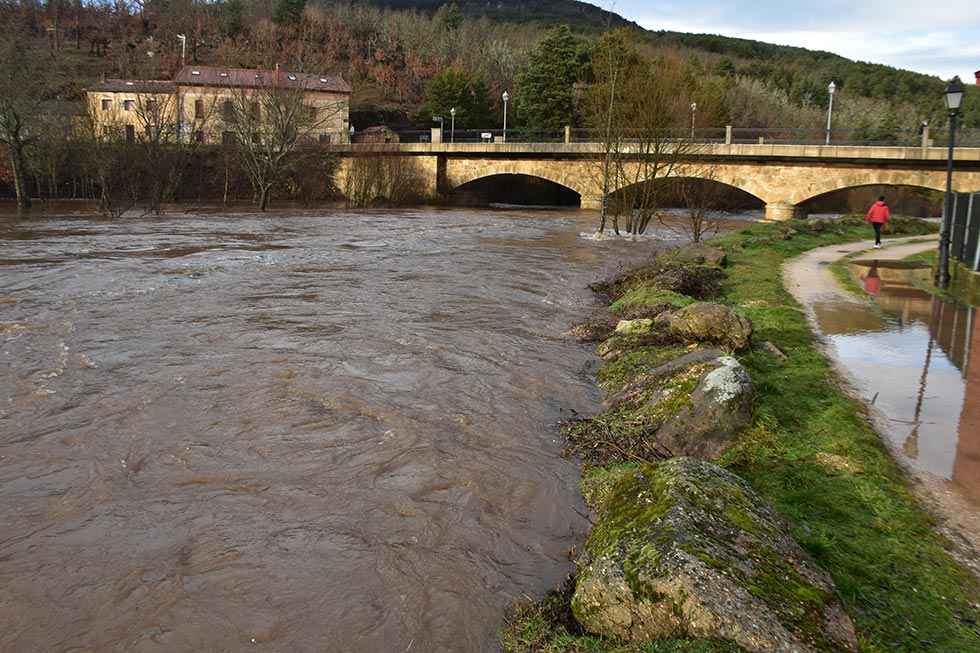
[[698, 253], [695, 405], [634, 327], [600, 325], [719, 408], [687, 549], [708, 322]]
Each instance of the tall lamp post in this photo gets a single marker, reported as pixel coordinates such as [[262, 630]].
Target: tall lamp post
[[831, 89], [694, 111], [452, 125], [183, 48], [505, 97], [954, 98]]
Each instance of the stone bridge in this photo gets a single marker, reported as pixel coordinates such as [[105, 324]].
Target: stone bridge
[[780, 176]]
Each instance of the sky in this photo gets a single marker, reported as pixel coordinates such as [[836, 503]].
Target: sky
[[941, 37]]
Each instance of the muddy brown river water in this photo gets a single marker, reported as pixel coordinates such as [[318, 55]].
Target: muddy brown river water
[[307, 432]]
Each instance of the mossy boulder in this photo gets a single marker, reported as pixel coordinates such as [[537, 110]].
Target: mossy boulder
[[687, 549], [697, 280], [600, 325], [720, 406], [648, 302], [634, 327], [707, 322], [695, 405], [697, 253]]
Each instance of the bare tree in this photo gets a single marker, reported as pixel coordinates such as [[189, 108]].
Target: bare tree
[[639, 107], [168, 142], [22, 93], [703, 198], [269, 124], [382, 179]]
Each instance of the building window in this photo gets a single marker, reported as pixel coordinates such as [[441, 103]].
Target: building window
[[228, 111], [151, 106], [256, 112], [128, 105], [228, 138], [312, 111], [130, 133], [199, 109], [199, 136], [106, 104], [324, 139]]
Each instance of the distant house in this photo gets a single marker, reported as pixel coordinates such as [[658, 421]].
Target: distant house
[[197, 103], [379, 134], [977, 76]]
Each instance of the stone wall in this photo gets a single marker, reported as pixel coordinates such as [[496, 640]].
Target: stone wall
[[780, 182]]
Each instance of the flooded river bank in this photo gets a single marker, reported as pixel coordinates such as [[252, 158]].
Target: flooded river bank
[[915, 359], [305, 432]]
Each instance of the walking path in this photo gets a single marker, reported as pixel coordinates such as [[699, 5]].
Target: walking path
[[810, 280]]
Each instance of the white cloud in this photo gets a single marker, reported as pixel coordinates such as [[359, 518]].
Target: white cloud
[[941, 38]]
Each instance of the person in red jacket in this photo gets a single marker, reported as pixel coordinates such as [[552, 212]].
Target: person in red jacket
[[877, 216]]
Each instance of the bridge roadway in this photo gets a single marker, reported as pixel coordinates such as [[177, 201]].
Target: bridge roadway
[[781, 176]]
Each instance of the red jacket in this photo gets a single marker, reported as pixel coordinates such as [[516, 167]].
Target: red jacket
[[878, 213]]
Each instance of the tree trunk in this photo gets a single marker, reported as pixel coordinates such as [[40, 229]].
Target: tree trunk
[[264, 198], [20, 184]]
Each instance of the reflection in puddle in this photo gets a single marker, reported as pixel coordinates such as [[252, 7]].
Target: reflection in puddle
[[918, 357]]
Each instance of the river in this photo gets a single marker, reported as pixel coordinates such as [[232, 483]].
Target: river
[[304, 432]]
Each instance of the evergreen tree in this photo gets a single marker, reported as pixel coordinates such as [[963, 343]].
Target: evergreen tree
[[455, 88], [544, 96], [288, 12], [448, 17], [232, 17]]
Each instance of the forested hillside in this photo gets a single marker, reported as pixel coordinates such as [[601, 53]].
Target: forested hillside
[[407, 58]]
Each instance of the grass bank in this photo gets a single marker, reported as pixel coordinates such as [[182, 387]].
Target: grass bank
[[813, 454]]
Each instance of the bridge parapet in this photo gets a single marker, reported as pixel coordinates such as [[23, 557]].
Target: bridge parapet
[[708, 150], [781, 176]]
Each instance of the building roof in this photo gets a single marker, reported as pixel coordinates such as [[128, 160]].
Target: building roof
[[255, 78], [133, 86]]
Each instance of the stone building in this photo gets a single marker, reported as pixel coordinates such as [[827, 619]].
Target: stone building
[[199, 103]]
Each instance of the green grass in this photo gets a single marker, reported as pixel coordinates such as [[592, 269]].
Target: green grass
[[901, 587], [841, 269], [812, 453]]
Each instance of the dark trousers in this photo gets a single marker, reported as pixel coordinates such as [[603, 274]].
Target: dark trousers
[[877, 226]]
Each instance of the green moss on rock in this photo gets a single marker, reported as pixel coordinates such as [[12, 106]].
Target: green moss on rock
[[687, 549]]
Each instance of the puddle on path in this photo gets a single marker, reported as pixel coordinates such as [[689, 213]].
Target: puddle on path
[[918, 358]]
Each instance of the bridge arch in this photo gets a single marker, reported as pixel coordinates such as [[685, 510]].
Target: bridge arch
[[506, 188], [908, 199], [824, 185], [576, 176], [724, 187]]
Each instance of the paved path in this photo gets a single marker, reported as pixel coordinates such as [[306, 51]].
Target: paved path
[[809, 279]]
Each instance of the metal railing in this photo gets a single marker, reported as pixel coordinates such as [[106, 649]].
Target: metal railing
[[717, 135], [965, 230]]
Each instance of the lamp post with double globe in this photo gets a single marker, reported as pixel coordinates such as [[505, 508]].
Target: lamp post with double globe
[[954, 98]]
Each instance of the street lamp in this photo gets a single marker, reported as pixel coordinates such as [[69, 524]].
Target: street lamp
[[831, 89], [452, 125], [183, 48], [505, 96], [351, 132], [694, 110], [954, 98]]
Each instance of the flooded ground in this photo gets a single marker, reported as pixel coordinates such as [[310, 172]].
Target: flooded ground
[[916, 360], [294, 432], [920, 357]]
